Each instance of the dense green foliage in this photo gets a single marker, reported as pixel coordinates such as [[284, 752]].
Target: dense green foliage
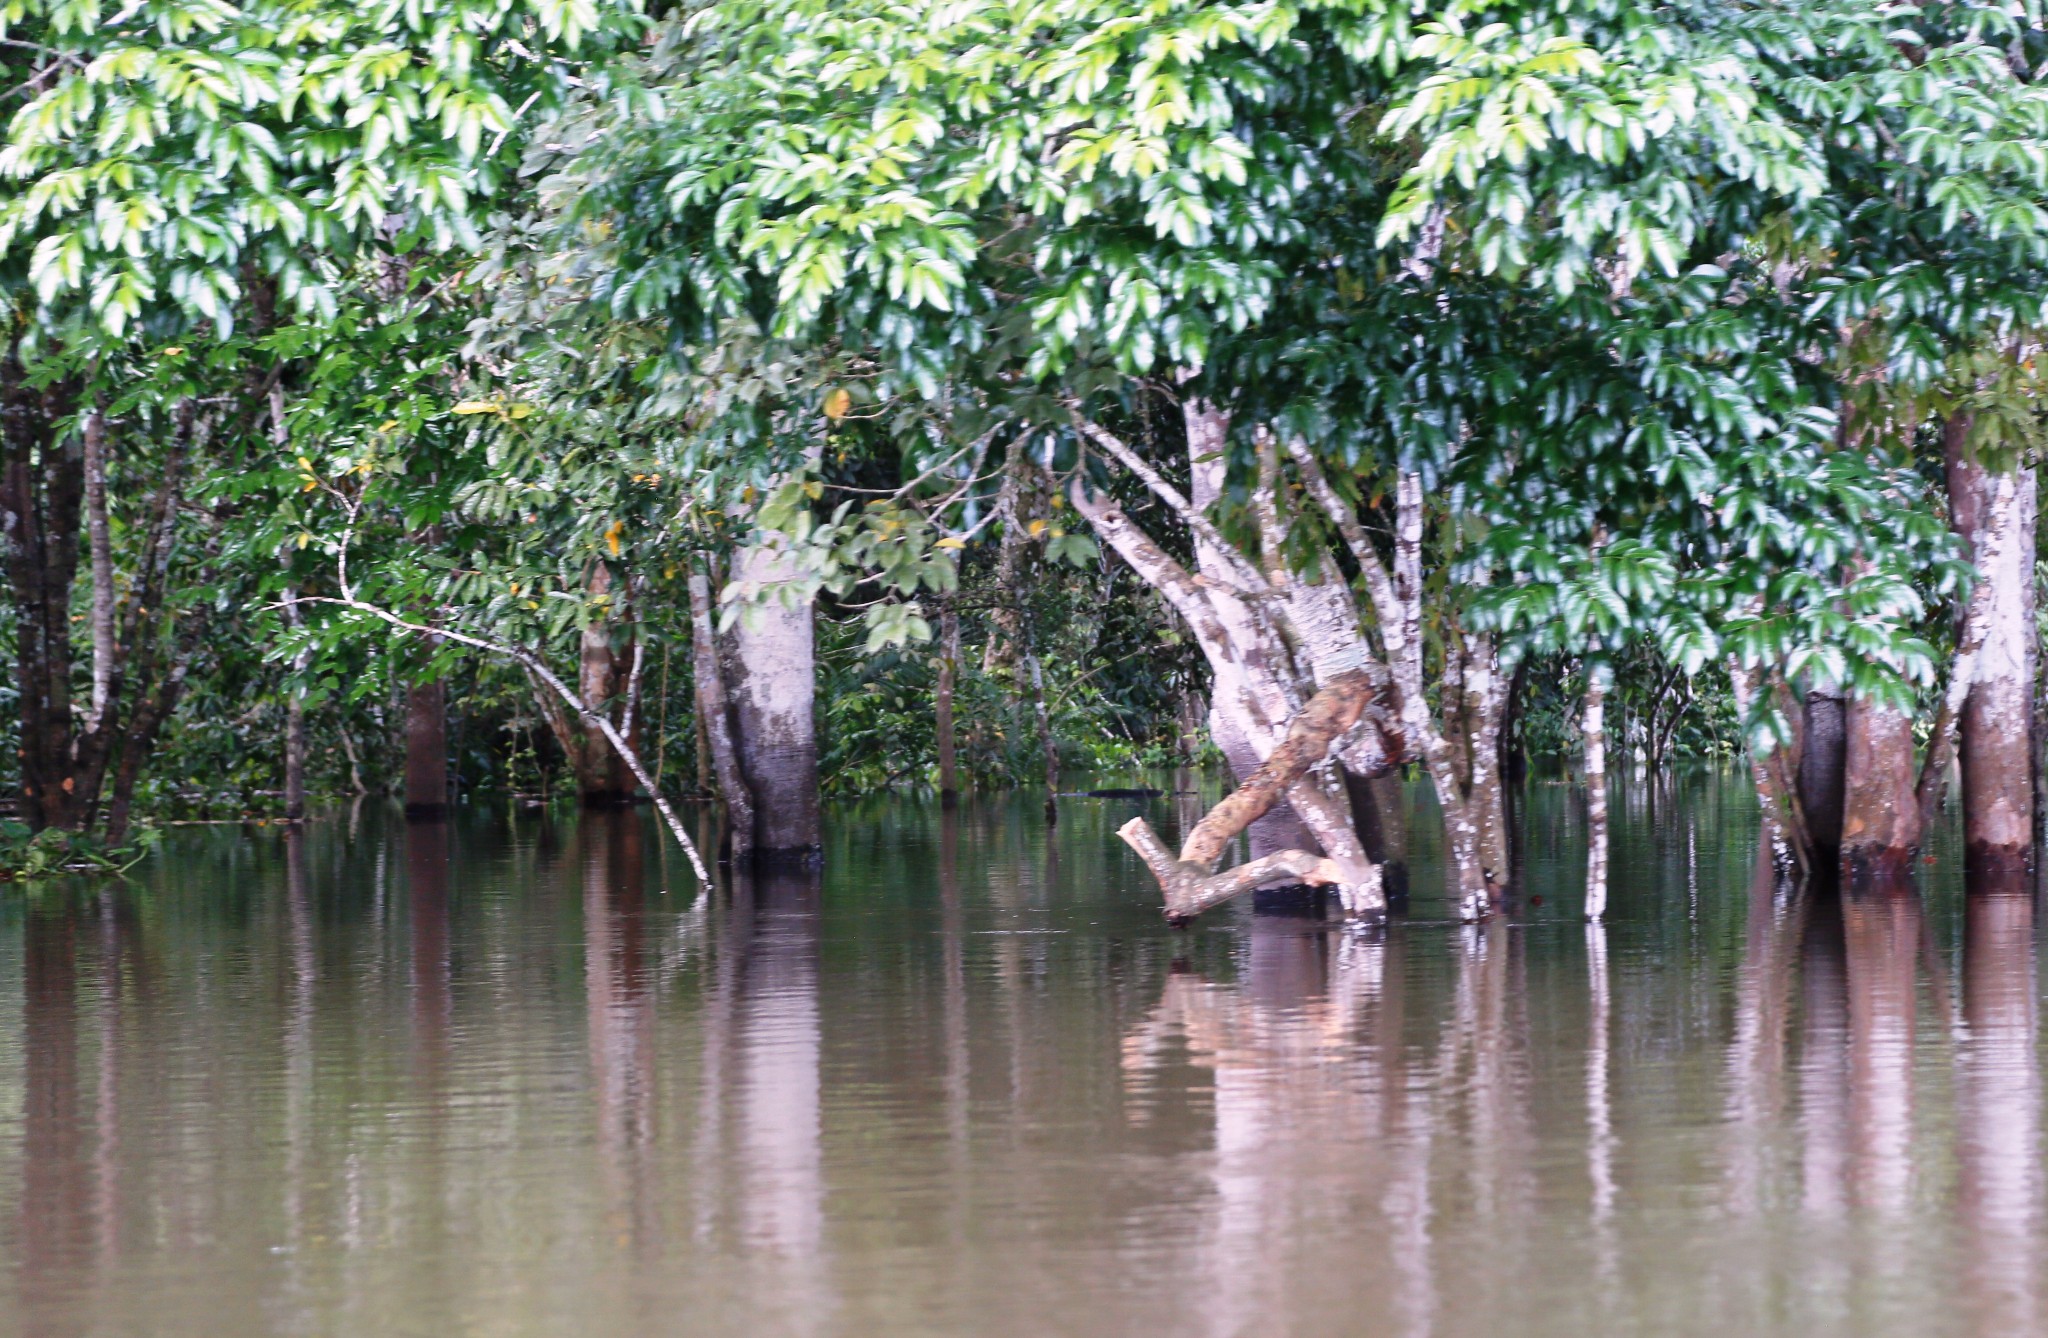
[[445, 309]]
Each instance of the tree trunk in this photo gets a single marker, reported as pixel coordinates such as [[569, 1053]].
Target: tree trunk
[[426, 751], [1189, 883], [714, 718], [1822, 774], [1231, 713], [1595, 730], [40, 495], [949, 664], [773, 681], [1994, 730], [1379, 808], [99, 533], [1880, 812]]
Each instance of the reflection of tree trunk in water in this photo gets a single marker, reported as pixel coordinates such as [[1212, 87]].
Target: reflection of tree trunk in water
[[426, 876], [1600, 1140], [1823, 1064], [949, 664], [301, 976], [426, 751], [619, 1005], [1755, 1083], [1994, 729], [779, 1050], [1999, 1096], [55, 1233], [1881, 933], [954, 1014], [1269, 1041]]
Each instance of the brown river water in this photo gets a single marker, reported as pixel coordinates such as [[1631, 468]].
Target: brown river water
[[509, 1076]]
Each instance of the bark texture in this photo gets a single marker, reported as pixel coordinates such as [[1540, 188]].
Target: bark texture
[[1594, 726], [1995, 516], [773, 679], [714, 717], [1189, 882], [1880, 810], [426, 751], [53, 495], [1823, 767]]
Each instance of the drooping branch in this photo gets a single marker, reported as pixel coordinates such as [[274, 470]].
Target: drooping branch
[[535, 666], [1189, 881]]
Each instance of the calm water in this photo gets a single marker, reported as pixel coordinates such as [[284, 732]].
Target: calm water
[[513, 1078]]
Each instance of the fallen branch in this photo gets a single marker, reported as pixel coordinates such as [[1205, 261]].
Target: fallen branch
[[1190, 882]]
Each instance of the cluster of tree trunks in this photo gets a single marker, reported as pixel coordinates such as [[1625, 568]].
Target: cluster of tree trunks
[[80, 767], [1279, 636], [1852, 796]]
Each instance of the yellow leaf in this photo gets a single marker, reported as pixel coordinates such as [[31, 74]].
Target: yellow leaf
[[1037, 527], [387, 425], [838, 404], [476, 406], [309, 485], [519, 411], [173, 351], [814, 489], [950, 542], [304, 538], [611, 536]]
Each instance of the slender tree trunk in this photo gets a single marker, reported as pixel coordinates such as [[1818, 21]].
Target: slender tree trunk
[[100, 540], [1594, 727], [949, 663], [426, 751], [1994, 729], [714, 719], [1049, 753], [602, 779]]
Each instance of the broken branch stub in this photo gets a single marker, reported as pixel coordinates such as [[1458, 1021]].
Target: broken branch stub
[[1189, 881]]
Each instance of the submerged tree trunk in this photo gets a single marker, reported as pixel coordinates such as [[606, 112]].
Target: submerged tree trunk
[[714, 719], [426, 751], [1880, 811], [603, 678], [1995, 725], [1822, 773], [949, 665], [1189, 881], [1379, 807], [773, 682], [1594, 727]]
